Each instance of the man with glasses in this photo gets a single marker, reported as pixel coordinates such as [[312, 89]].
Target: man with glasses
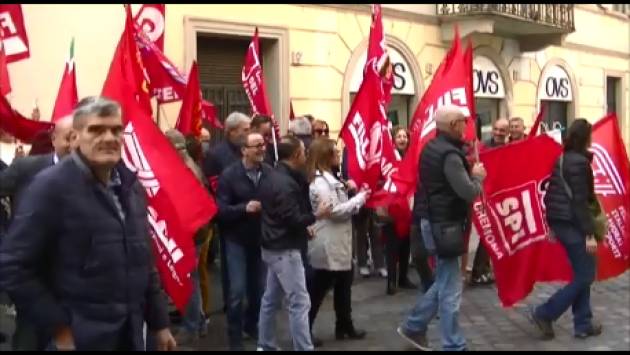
[[262, 124], [239, 221]]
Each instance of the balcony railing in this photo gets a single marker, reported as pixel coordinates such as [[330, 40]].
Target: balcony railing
[[555, 15]]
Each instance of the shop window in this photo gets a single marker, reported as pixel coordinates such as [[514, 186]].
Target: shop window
[[487, 113]]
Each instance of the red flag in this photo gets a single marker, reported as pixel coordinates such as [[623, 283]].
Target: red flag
[[151, 18], [189, 120], [19, 126], [178, 204], [15, 39], [291, 113], [127, 65], [67, 98], [534, 130], [254, 83], [451, 84], [611, 171], [5, 80], [377, 53], [511, 222]]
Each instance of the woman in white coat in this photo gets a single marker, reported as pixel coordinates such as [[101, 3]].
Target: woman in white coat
[[330, 249]]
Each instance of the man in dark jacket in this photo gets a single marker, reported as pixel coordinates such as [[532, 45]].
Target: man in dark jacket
[[442, 202], [221, 156], [285, 218], [77, 259], [13, 182], [239, 223]]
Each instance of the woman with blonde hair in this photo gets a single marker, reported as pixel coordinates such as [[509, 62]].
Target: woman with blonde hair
[[330, 249]]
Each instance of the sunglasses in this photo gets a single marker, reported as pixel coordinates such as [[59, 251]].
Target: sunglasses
[[322, 131]]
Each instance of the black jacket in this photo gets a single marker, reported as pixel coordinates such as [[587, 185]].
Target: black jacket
[[219, 158], [579, 176], [234, 191], [69, 259], [15, 178], [286, 210], [444, 205]]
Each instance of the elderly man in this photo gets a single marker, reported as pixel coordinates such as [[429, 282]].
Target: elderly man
[[499, 134], [302, 128], [517, 129], [224, 154], [77, 259], [442, 205]]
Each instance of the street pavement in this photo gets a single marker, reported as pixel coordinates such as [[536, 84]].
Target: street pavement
[[486, 325]]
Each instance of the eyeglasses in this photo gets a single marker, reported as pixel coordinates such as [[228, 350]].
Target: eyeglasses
[[259, 146], [322, 131]]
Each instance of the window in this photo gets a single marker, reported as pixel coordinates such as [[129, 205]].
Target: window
[[556, 115], [613, 96], [487, 113]]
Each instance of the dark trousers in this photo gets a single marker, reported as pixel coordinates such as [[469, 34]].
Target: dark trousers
[[322, 281], [225, 278], [481, 265], [398, 250], [420, 257]]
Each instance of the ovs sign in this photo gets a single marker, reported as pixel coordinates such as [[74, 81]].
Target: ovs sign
[[487, 80], [404, 83], [555, 85]]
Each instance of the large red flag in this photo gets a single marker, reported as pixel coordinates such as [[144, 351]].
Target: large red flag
[[451, 84], [5, 80], [189, 120], [254, 83], [127, 66], [151, 18], [19, 126], [67, 98], [178, 204], [611, 170]]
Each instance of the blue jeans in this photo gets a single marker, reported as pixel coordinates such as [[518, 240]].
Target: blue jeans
[[192, 321], [444, 295], [285, 277], [576, 294], [247, 277]]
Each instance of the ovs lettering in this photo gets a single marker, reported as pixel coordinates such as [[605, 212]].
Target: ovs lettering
[[486, 82], [399, 79], [557, 87]]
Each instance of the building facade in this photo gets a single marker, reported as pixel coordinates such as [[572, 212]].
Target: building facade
[[573, 58]]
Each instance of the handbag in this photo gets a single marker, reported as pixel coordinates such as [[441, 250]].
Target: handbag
[[448, 237], [600, 221]]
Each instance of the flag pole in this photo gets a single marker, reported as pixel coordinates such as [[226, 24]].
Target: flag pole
[[275, 142], [157, 115]]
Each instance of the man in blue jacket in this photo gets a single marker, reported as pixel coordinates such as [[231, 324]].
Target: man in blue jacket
[[239, 223], [77, 258]]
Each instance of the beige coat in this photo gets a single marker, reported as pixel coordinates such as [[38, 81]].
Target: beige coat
[[331, 246]]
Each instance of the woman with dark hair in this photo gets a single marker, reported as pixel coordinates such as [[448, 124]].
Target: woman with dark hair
[[570, 192], [330, 249]]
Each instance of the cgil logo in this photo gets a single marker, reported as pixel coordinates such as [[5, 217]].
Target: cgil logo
[[607, 178]]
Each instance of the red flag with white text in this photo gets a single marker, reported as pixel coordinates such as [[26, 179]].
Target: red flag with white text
[[611, 172], [5, 79], [178, 204], [14, 36], [254, 83], [151, 18], [67, 97]]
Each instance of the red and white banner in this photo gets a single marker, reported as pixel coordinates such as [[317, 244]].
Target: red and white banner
[[512, 222], [151, 18], [14, 34], [178, 204], [254, 83], [5, 79], [451, 85], [611, 171]]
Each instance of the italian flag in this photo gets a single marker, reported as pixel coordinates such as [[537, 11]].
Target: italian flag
[[67, 97]]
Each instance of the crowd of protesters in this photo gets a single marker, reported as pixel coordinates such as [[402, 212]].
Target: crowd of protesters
[[76, 259]]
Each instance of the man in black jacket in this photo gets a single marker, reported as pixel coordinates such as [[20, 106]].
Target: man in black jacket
[[239, 223], [77, 259], [285, 218], [13, 182]]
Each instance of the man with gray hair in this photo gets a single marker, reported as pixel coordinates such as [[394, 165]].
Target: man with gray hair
[[224, 154], [77, 258], [441, 208], [517, 129], [301, 128]]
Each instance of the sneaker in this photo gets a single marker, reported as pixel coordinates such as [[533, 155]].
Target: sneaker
[[596, 329], [544, 327], [364, 271], [418, 340], [382, 272]]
